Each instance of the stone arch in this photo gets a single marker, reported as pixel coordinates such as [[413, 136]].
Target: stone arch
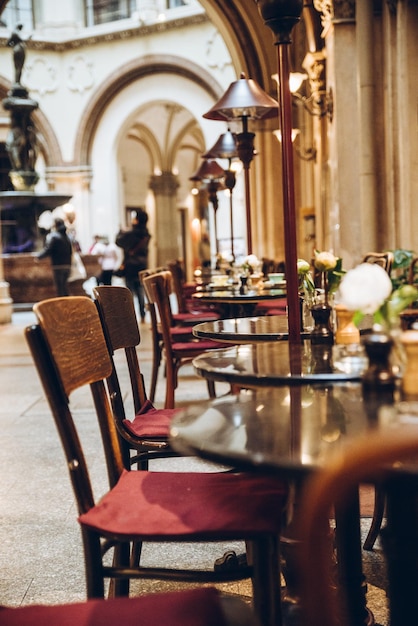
[[147, 65]]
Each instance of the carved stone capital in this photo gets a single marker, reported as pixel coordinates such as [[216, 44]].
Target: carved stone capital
[[165, 184]]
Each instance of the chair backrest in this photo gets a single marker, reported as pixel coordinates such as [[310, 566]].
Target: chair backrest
[[366, 460], [158, 289], [115, 305], [384, 259], [412, 278], [178, 280], [70, 351], [117, 314]]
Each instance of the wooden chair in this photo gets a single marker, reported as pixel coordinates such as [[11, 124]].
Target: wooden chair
[[368, 460], [177, 353], [180, 332], [148, 432], [195, 607], [188, 312], [70, 352], [384, 259]]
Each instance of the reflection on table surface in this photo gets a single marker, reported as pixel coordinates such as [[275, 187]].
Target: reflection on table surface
[[288, 428], [231, 295], [269, 364], [245, 329]]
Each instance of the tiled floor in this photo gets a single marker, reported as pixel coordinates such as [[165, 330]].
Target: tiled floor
[[41, 555]]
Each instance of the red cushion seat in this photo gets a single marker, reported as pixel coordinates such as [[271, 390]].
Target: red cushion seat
[[192, 505], [195, 607], [150, 422]]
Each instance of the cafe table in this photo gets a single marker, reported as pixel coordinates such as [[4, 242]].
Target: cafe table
[[293, 413], [246, 329], [236, 302]]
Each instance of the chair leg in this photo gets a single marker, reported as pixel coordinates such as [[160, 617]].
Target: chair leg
[[211, 389], [121, 557], [378, 512], [156, 360], [266, 581]]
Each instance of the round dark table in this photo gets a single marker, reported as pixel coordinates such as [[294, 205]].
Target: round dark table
[[269, 364], [290, 430], [236, 304], [245, 329]]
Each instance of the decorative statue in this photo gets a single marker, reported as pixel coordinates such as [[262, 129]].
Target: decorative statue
[[19, 52], [21, 143]]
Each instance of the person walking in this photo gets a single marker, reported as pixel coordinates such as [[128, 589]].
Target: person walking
[[134, 243], [108, 257], [59, 248]]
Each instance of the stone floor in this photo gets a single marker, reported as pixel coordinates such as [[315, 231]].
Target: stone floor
[[41, 554]]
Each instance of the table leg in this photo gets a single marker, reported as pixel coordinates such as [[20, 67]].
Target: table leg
[[349, 560], [400, 544], [348, 563]]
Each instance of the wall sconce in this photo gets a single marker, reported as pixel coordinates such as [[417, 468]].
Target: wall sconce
[[211, 174], [306, 154], [320, 103], [243, 100], [226, 148]]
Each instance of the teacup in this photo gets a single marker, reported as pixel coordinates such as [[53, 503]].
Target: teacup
[[220, 280], [276, 278]]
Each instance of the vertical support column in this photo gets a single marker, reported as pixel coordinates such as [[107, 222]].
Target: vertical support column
[[167, 224]]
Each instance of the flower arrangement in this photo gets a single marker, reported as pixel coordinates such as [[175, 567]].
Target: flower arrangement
[[330, 266], [367, 289], [251, 264]]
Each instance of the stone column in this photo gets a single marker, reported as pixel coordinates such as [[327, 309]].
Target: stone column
[[167, 227], [339, 31]]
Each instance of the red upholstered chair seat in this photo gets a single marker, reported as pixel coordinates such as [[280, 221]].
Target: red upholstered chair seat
[[272, 307], [197, 346], [150, 422], [194, 317], [201, 506], [196, 607]]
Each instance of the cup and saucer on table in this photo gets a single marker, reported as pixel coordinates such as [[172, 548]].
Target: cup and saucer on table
[[275, 281]]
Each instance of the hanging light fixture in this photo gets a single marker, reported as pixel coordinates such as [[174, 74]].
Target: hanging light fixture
[[243, 100], [211, 174], [226, 148]]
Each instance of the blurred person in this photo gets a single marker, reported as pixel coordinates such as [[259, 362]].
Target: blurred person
[[58, 247], [134, 243], [108, 257], [205, 251]]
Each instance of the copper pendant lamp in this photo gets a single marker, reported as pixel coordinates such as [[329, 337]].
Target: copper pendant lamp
[[243, 100], [226, 148]]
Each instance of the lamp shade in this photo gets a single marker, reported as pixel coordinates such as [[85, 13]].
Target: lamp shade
[[243, 98], [224, 148], [208, 170]]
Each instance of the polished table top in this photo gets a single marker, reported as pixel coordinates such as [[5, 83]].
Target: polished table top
[[234, 295], [289, 428], [270, 364], [245, 329]]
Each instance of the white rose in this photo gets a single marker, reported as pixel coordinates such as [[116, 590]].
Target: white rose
[[252, 261], [325, 261], [365, 288]]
